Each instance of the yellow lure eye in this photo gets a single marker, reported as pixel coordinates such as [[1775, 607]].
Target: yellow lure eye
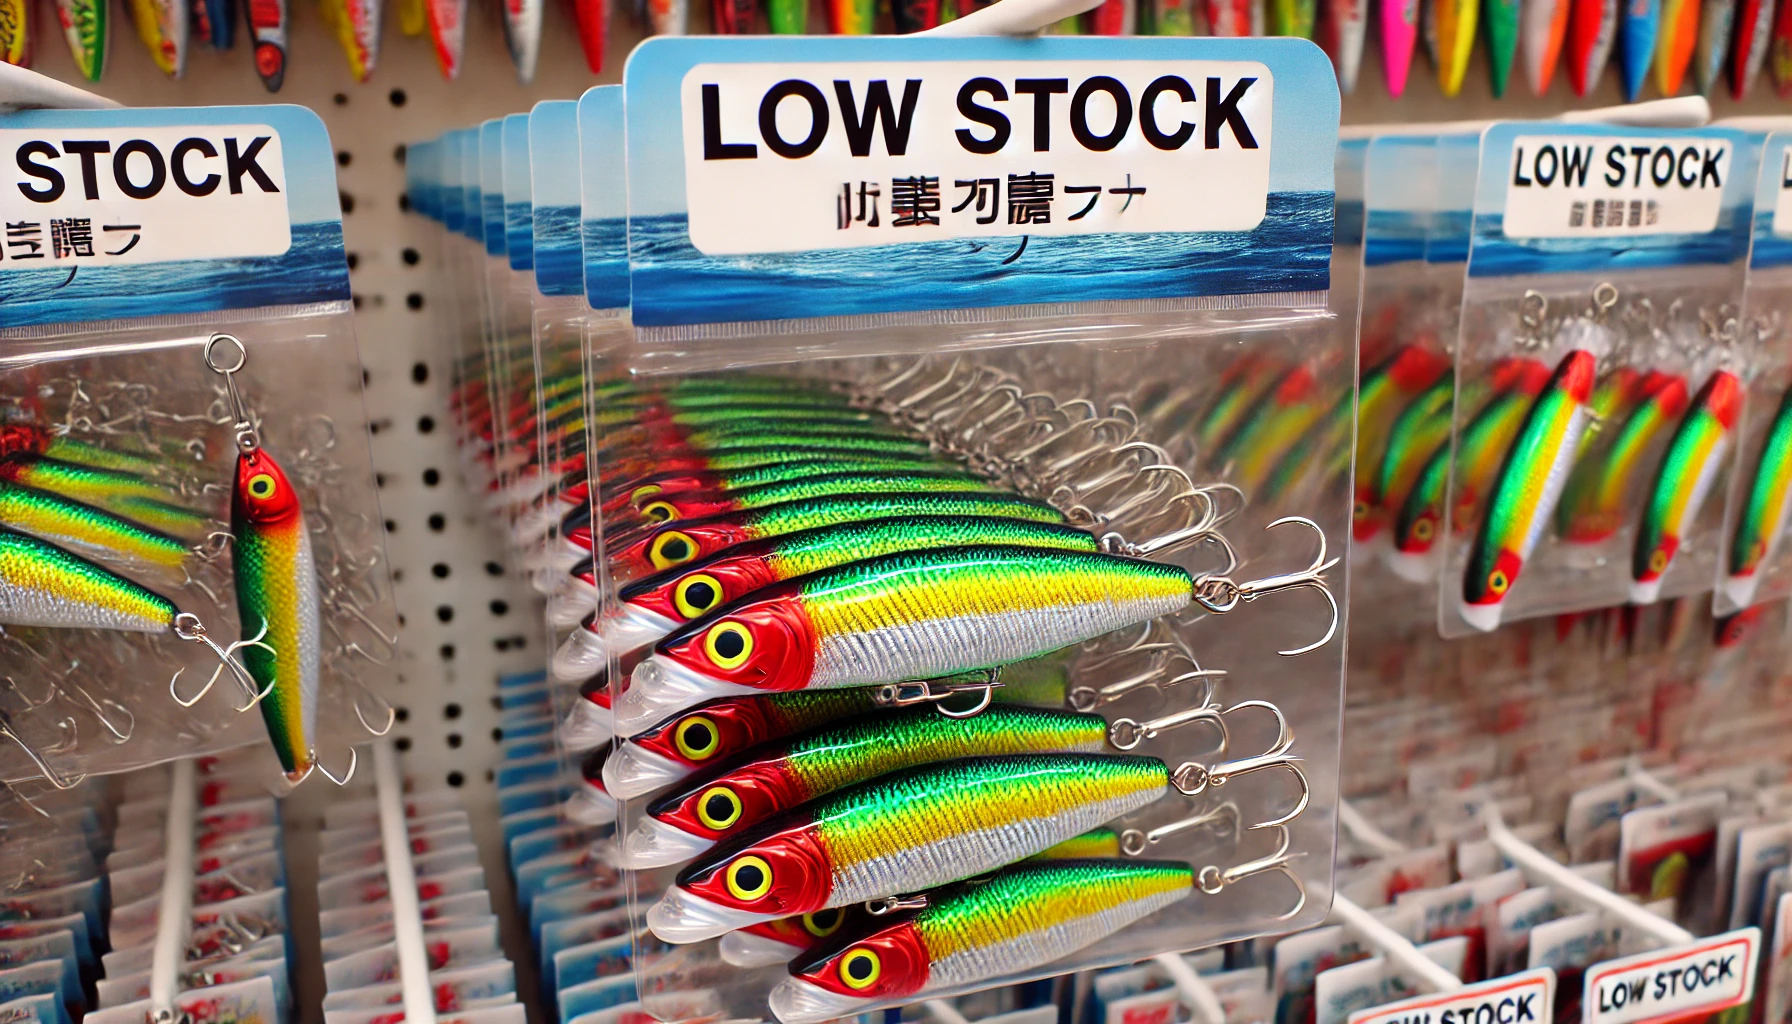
[[1422, 529], [1658, 562], [718, 807], [696, 594], [1498, 582], [824, 923], [262, 485], [659, 511], [860, 969], [640, 494], [728, 645], [697, 738], [671, 548], [749, 878]]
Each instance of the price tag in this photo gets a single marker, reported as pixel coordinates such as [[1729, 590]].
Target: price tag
[[1579, 186], [1702, 978], [1527, 998]]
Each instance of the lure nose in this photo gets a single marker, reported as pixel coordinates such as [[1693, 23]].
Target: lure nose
[[744, 949], [590, 805], [1741, 589], [1410, 567], [579, 657], [681, 917], [1484, 617], [796, 1001], [634, 771], [660, 686], [586, 727], [1645, 591], [655, 844], [632, 627]]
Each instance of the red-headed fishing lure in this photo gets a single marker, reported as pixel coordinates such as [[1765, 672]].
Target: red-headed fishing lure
[[1688, 469]]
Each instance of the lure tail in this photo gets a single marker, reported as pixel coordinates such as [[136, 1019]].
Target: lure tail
[[1343, 25], [593, 20], [448, 31], [1674, 49], [1399, 37], [1639, 29], [1292, 17], [1502, 43], [214, 23], [1592, 28], [1545, 30], [1781, 51], [1753, 32], [522, 34], [1762, 521], [267, 21], [1456, 22], [1716, 23], [356, 25], [163, 27], [86, 25]]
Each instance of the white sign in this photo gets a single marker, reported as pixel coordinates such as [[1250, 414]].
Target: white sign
[[1701, 977], [1576, 186], [1782, 203], [792, 157], [1527, 998], [106, 196]]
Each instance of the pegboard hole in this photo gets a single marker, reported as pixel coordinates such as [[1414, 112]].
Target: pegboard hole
[[403, 743], [432, 477], [354, 260], [447, 652], [419, 372], [456, 779], [344, 158], [340, 99], [454, 741], [497, 735], [411, 258], [402, 714], [451, 710], [426, 424], [398, 97], [445, 613], [440, 569], [493, 569], [438, 522], [500, 607], [400, 152], [348, 203], [391, 526], [414, 300]]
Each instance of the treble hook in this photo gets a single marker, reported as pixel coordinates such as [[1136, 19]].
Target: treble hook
[[1192, 779], [1214, 879], [51, 775], [1224, 819], [188, 627], [391, 715], [317, 765], [1219, 594], [1128, 733]]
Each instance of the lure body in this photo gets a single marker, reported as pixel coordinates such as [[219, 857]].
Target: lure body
[[699, 469], [1344, 27], [214, 22], [732, 797], [1384, 392], [866, 841], [163, 27], [522, 36], [1751, 36], [1456, 22], [1526, 490], [1689, 468], [95, 486], [652, 607], [1417, 432], [1024, 917], [16, 30], [917, 15], [674, 507], [1780, 51], [851, 17], [1399, 38], [173, 520], [916, 615], [1283, 419], [1764, 511], [593, 20], [1593, 503], [1108, 19], [86, 25], [1640, 25], [43, 585], [412, 21], [356, 25], [1545, 30], [1674, 49], [1717, 20], [1240, 390], [447, 21], [267, 21], [680, 481], [677, 543], [1292, 18], [276, 593], [1176, 17], [89, 530], [1502, 42], [1592, 29], [30, 440]]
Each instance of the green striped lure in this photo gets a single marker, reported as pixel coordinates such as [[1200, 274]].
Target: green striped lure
[[91, 531], [1765, 505], [91, 484], [1416, 433], [173, 520], [695, 504], [1689, 468], [68, 449], [1019, 919], [1600, 489]]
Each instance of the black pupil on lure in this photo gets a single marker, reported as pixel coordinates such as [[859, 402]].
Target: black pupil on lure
[[859, 968], [750, 877], [700, 595], [659, 512], [825, 919], [730, 644], [697, 737], [719, 808], [675, 548]]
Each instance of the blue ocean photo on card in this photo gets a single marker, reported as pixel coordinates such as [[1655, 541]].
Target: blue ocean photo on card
[[554, 196], [519, 242], [1772, 244], [603, 197]]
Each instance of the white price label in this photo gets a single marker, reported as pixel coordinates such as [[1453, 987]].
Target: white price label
[[1575, 186], [1527, 998], [1782, 203], [794, 157], [108, 196], [1702, 977]]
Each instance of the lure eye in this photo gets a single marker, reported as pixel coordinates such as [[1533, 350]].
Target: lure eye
[[697, 739], [718, 808], [1497, 583], [1360, 510], [640, 494], [671, 548], [824, 923], [1658, 562], [262, 486], [728, 645], [1422, 529], [696, 595], [659, 511], [860, 969], [749, 878]]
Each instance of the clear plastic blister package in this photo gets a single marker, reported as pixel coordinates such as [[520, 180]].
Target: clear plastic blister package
[[904, 602], [193, 545], [1753, 567], [1607, 262]]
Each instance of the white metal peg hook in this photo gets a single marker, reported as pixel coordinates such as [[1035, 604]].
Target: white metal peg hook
[[1013, 18]]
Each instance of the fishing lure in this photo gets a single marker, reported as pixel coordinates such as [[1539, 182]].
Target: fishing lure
[[1239, 391], [682, 505], [1592, 29], [1545, 30], [734, 796], [276, 586], [1717, 21], [163, 27], [1416, 433], [787, 17], [1688, 470], [1502, 43], [447, 21], [1780, 51], [1399, 38], [1762, 521], [650, 608], [267, 21], [902, 833], [740, 473], [591, 803], [668, 17], [356, 26], [90, 484], [89, 530], [1342, 26], [673, 544], [1278, 424], [1455, 22], [1022, 917], [214, 22], [522, 36], [1752, 33], [1479, 448], [1593, 503], [1526, 489], [16, 32], [1292, 17], [174, 520], [1674, 48], [1638, 28], [1385, 391], [86, 26], [1109, 18], [412, 22], [43, 585]]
